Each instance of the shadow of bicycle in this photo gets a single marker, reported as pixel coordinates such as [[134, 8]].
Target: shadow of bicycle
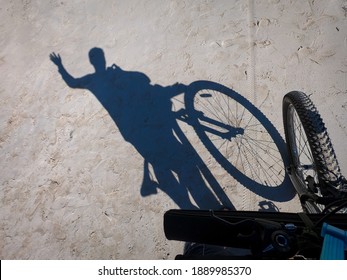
[[144, 116]]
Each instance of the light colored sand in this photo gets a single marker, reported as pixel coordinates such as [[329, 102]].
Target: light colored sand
[[70, 183]]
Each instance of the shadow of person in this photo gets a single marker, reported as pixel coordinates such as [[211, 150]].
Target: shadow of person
[[143, 114]]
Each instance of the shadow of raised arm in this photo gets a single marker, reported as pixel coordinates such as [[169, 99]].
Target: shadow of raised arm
[[69, 80]]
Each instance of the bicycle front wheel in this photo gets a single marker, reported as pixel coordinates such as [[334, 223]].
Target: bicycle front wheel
[[311, 153]]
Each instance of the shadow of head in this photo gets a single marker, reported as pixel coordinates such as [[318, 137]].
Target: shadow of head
[[97, 59]]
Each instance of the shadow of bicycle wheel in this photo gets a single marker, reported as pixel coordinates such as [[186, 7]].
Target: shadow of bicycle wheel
[[241, 139]]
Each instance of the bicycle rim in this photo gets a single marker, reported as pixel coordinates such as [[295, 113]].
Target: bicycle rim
[[301, 156]]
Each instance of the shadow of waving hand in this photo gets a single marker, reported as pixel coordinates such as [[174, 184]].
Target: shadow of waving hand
[[143, 114]]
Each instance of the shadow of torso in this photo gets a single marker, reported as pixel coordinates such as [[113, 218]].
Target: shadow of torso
[[141, 111], [144, 116]]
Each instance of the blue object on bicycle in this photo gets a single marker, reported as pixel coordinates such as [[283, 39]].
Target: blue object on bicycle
[[335, 241]]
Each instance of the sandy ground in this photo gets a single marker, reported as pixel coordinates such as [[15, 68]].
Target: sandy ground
[[86, 178]]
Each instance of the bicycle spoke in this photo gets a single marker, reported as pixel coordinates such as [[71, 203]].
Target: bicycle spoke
[[303, 156]]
